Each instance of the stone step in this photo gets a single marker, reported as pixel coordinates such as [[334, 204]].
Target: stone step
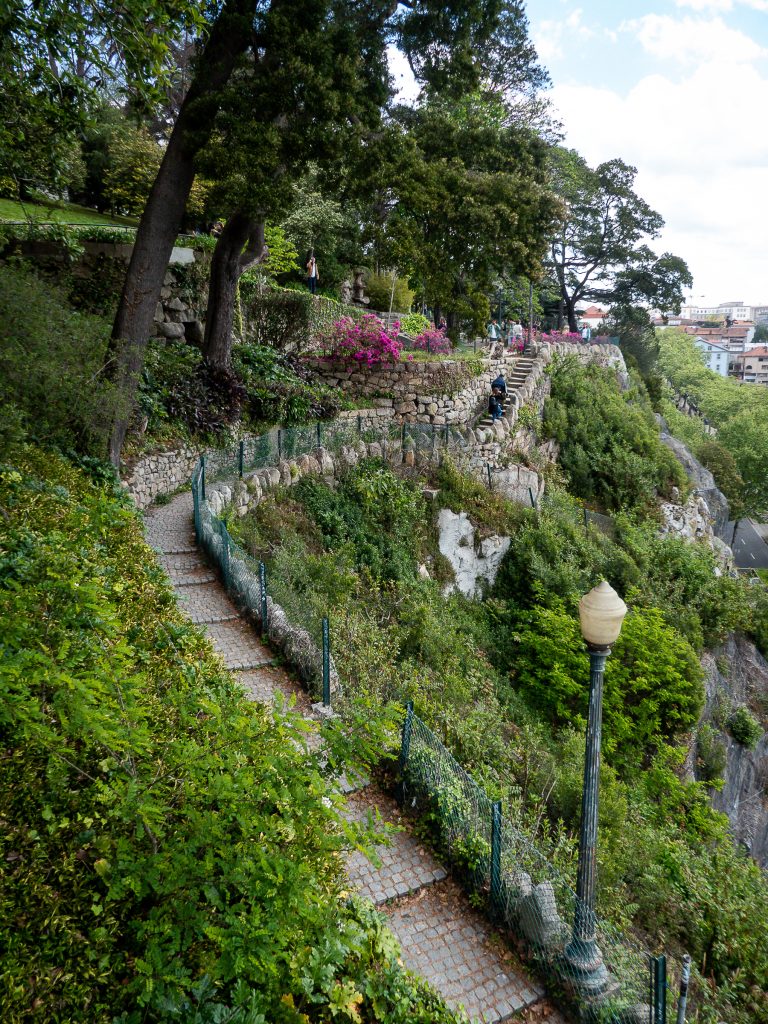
[[184, 563], [206, 603], [406, 864], [191, 577], [238, 645], [456, 950]]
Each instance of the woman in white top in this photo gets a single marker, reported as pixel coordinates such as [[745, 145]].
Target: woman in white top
[[312, 273]]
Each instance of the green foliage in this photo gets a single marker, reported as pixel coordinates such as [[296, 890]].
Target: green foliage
[[738, 411], [134, 159], [744, 727], [286, 319], [51, 360], [181, 396], [609, 442], [721, 463], [653, 682], [710, 755], [414, 323], [379, 288], [157, 825]]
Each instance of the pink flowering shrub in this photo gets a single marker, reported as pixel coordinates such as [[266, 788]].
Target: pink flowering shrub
[[365, 342], [433, 340]]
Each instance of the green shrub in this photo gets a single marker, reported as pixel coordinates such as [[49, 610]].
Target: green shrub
[[168, 848], [609, 441], [710, 755], [653, 681], [744, 727], [379, 289], [414, 323], [51, 364]]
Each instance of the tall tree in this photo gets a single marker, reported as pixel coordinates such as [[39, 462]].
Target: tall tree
[[458, 32], [472, 203], [311, 105], [598, 252]]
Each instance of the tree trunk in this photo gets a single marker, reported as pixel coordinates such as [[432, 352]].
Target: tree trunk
[[570, 306], [230, 36], [227, 266]]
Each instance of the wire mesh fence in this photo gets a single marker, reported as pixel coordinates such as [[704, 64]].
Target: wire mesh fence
[[496, 861], [612, 979]]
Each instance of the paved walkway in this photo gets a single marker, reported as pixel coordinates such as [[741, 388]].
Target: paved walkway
[[443, 938]]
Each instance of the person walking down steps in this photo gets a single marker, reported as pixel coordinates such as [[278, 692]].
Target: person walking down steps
[[313, 275]]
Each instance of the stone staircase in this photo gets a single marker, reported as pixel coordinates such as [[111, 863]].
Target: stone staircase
[[517, 377], [443, 938]]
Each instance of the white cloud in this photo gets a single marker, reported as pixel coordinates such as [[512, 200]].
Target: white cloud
[[551, 37], [690, 41], [722, 5], [701, 160]]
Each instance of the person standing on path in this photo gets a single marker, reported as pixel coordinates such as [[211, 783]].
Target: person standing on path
[[313, 275]]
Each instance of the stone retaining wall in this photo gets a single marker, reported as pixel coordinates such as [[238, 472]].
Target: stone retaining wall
[[446, 391], [165, 471]]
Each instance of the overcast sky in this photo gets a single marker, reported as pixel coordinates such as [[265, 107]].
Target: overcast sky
[[678, 89]]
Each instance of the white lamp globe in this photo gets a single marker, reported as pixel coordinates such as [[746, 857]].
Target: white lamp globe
[[601, 612]]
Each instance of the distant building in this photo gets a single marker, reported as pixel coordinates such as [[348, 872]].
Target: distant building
[[716, 356], [592, 315], [755, 366]]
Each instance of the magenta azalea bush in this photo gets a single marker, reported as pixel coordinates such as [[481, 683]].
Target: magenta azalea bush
[[365, 342], [433, 340]]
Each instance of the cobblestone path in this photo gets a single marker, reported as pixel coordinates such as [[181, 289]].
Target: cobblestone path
[[443, 938]]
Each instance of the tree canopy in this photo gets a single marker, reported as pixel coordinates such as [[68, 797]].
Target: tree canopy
[[600, 252]]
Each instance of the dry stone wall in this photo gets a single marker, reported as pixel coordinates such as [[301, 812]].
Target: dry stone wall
[[502, 446]]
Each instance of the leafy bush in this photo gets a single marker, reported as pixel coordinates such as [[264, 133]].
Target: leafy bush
[[434, 341], [51, 362], [414, 323], [367, 342], [710, 755], [379, 289], [156, 824], [744, 727], [609, 442], [653, 681], [287, 319]]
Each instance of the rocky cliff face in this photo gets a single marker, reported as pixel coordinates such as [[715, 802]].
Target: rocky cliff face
[[737, 674], [703, 483]]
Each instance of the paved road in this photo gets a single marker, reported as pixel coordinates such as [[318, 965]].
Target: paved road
[[750, 550]]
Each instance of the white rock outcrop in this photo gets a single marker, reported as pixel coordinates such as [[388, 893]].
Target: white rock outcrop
[[474, 563]]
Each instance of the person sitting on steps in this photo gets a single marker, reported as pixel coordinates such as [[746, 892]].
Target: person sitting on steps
[[495, 408], [501, 384]]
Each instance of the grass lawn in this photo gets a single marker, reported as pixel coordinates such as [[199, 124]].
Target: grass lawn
[[49, 211]]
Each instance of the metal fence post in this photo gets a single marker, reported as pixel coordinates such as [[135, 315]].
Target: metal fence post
[[326, 664], [263, 589], [490, 478], [202, 477], [586, 517], [405, 748], [496, 855], [530, 495], [659, 990], [279, 444], [241, 458], [196, 504], [225, 554], [319, 437], [447, 434], [359, 425]]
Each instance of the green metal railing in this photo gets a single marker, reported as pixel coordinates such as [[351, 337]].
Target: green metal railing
[[520, 888]]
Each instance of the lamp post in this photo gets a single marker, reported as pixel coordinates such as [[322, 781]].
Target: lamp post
[[601, 612]]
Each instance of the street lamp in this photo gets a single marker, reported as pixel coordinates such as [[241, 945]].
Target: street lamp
[[601, 612]]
